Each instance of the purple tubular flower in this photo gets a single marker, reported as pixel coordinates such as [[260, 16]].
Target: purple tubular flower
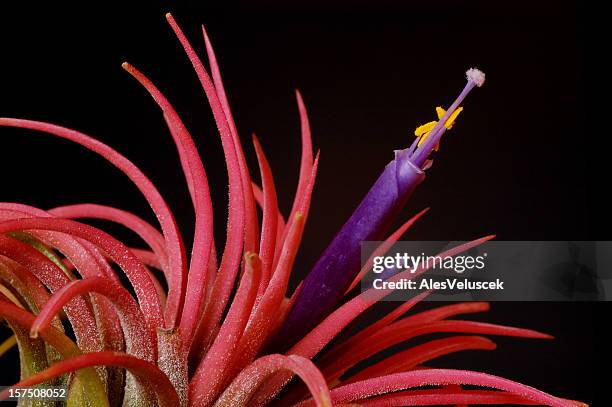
[[332, 274], [337, 267]]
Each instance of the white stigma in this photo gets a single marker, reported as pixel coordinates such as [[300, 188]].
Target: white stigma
[[476, 76]]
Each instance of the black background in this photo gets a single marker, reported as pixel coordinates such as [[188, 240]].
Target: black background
[[520, 162]]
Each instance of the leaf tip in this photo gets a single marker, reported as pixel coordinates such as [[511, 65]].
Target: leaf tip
[[34, 332]]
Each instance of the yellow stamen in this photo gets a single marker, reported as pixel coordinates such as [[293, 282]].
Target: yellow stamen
[[451, 120], [423, 130]]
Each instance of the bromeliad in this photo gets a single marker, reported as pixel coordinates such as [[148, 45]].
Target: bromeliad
[[225, 332]]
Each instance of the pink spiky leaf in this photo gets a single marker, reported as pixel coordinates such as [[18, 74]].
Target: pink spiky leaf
[[400, 332], [384, 247], [79, 311], [135, 271], [143, 370], [230, 261], [139, 340], [250, 222], [88, 377], [244, 385], [412, 357], [144, 230], [431, 377], [212, 371], [269, 227], [197, 182], [174, 241]]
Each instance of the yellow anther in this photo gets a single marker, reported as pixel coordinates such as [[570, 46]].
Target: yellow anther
[[451, 120], [423, 130]]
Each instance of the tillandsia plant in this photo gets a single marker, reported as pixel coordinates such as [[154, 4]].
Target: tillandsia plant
[[226, 332]]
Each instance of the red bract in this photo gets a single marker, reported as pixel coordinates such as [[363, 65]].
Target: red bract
[[210, 338]]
